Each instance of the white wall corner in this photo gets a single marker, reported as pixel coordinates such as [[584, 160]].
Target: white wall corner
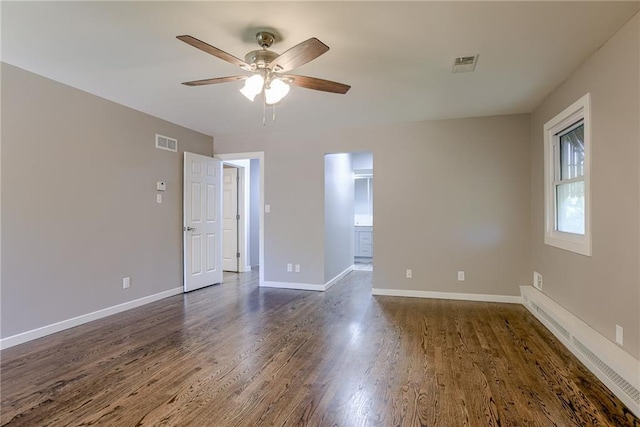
[[616, 368], [85, 318], [339, 276]]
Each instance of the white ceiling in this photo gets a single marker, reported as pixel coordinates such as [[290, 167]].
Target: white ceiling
[[397, 56]]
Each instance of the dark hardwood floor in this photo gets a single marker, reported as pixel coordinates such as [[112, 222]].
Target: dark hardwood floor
[[240, 355]]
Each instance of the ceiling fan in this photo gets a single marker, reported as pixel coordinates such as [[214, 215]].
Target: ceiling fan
[[270, 70]]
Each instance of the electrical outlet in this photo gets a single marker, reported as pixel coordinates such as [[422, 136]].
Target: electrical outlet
[[537, 280], [619, 335], [289, 268], [409, 274], [461, 276], [126, 282], [297, 268]]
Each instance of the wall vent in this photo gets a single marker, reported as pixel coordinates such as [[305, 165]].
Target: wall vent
[[630, 390], [465, 64], [166, 143]]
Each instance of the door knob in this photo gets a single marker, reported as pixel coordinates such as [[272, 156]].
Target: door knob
[[189, 228]]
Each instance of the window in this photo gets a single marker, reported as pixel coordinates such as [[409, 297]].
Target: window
[[567, 159]]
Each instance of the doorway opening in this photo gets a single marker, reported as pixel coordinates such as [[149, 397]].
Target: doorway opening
[[348, 216], [247, 212], [363, 210]]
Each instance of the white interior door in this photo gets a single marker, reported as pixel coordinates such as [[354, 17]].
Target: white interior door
[[230, 219], [202, 218]]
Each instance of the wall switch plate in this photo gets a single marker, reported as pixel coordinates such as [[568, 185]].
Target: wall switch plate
[[158, 198], [619, 335], [461, 276], [409, 274], [289, 268], [297, 268], [267, 208], [537, 280], [126, 282]]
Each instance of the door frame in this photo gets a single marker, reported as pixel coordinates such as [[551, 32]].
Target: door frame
[[257, 155]]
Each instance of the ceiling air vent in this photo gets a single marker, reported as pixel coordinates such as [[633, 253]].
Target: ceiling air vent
[[465, 64], [166, 143]]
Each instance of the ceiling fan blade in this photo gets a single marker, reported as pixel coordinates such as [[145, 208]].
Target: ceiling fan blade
[[316, 84], [214, 80], [299, 55], [214, 51]]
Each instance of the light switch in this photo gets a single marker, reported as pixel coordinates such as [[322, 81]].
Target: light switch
[[159, 198]]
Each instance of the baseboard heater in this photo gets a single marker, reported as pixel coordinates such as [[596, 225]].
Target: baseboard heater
[[617, 369]]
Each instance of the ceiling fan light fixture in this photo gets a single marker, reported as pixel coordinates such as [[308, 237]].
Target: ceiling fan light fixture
[[252, 87], [276, 91]]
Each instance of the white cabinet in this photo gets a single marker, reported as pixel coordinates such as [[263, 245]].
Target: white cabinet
[[363, 242]]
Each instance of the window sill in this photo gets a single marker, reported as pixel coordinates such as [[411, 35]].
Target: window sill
[[569, 242]]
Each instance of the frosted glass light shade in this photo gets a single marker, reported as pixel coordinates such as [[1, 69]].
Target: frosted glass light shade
[[276, 91], [252, 87]]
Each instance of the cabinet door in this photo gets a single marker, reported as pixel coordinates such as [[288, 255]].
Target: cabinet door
[[364, 243], [366, 250]]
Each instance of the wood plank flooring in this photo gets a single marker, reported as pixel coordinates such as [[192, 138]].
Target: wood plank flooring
[[239, 355]]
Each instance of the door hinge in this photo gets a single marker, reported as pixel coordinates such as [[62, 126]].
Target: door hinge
[[238, 217], [237, 254]]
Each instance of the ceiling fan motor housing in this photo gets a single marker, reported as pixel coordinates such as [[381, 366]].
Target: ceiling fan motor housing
[[261, 58]]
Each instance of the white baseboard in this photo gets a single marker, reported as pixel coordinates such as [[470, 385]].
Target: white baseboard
[[333, 281], [306, 286], [616, 368], [290, 285], [511, 299], [85, 318]]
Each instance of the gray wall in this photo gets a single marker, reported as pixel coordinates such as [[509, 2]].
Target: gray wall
[[338, 214], [450, 195], [604, 289], [79, 208], [254, 213], [362, 160]]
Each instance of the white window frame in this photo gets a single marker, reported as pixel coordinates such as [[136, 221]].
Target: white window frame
[[578, 243]]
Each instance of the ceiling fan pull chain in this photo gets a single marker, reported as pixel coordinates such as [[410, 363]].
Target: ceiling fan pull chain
[[273, 117], [264, 111]]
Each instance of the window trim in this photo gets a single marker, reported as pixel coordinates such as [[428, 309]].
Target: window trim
[[578, 243]]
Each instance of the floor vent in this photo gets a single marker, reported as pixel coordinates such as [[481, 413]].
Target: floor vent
[[166, 143], [630, 390]]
